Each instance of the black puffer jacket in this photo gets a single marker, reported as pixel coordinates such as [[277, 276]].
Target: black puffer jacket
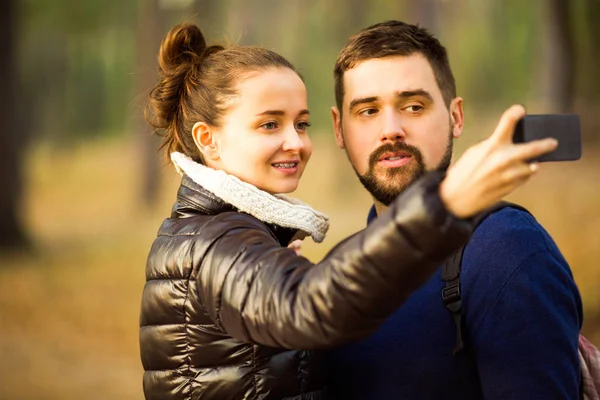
[[225, 300]]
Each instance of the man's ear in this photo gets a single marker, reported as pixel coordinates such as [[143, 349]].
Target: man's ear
[[457, 116], [337, 126], [206, 141]]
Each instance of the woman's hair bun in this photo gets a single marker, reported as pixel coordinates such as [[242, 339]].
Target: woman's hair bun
[[183, 45]]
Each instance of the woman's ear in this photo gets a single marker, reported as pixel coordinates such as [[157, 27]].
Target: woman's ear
[[205, 139]]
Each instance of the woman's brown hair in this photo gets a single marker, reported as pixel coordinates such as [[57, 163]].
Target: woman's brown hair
[[197, 83]]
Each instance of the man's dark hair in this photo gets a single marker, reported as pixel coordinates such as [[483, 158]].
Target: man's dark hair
[[394, 38]]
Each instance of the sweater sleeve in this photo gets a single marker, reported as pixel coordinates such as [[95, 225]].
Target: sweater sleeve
[[525, 318], [257, 291]]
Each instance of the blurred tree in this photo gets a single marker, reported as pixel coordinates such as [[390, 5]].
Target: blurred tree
[[293, 43], [155, 18], [558, 57], [76, 62], [588, 79], [150, 33], [13, 133], [43, 69], [209, 16], [425, 14], [249, 18], [352, 20]]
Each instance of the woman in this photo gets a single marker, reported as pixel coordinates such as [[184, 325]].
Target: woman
[[225, 299]]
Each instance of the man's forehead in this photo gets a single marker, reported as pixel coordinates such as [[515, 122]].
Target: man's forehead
[[389, 75]]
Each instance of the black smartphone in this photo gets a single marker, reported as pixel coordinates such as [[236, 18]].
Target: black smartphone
[[566, 128]]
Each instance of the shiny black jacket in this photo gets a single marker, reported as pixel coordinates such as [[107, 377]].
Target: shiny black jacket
[[228, 312]]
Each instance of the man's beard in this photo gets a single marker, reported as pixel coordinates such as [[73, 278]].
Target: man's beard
[[388, 185]]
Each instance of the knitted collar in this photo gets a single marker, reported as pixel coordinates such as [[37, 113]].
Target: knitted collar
[[276, 209]]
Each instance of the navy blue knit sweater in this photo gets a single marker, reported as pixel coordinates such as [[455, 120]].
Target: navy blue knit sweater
[[523, 314]]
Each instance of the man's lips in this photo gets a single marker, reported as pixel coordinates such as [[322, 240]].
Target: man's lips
[[395, 159], [394, 155]]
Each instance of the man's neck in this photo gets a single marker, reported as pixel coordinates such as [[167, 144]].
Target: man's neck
[[380, 208]]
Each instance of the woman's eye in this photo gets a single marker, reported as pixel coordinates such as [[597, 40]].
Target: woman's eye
[[303, 125], [269, 126]]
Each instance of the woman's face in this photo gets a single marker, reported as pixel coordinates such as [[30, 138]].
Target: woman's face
[[263, 139]]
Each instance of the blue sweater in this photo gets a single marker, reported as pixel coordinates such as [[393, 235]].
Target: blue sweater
[[522, 312]]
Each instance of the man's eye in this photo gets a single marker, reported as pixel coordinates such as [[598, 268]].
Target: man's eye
[[415, 108], [367, 111], [269, 125]]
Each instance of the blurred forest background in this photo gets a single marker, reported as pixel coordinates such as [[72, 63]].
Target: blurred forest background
[[83, 191]]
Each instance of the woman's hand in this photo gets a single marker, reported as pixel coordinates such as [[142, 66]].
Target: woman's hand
[[492, 169]]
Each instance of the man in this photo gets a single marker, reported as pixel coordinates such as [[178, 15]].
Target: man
[[397, 115]]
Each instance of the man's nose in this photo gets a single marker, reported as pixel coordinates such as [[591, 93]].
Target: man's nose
[[393, 128]]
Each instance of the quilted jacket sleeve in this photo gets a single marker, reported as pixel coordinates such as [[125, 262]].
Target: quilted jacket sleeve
[[259, 292]]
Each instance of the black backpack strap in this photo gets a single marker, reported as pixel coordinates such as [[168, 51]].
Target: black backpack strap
[[451, 294]]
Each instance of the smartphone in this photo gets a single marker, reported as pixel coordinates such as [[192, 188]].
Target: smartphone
[[566, 128]]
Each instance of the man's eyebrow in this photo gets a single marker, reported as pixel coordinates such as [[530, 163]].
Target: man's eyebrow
[[405, 94], [415, 93], [362, 100]]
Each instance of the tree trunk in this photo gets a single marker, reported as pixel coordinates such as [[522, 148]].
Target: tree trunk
[[12, 134], [425, 14], [589, 85], [150, 32], [558, 69]]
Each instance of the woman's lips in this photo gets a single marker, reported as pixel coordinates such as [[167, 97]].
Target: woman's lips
[[287, 167]]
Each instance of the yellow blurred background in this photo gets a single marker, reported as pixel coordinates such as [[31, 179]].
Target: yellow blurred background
[[69, 299]]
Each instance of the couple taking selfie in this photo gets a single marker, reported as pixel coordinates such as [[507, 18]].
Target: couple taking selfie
[[230, 311]]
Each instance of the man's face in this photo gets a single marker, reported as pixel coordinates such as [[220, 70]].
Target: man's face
[[394, 124]]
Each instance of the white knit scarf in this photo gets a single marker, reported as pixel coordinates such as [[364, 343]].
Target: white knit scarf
[[272, 209]]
